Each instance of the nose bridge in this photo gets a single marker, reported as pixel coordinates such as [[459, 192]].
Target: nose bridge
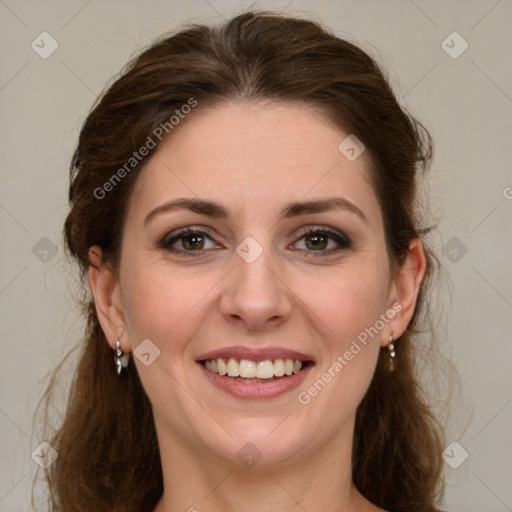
[[253, 292]]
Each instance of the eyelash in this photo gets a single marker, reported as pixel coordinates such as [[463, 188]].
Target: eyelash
[[342, 240]]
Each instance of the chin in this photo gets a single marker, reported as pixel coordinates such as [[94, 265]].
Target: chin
[[263, 443]]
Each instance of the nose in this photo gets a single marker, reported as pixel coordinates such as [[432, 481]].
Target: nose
[[255, 296]]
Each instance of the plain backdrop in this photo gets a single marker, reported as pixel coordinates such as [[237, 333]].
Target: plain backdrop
[[450, 65]]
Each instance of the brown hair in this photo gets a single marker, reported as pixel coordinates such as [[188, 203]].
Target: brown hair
[[108, 452]]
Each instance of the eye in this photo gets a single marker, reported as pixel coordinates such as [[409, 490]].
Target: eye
[[322, 240], [189, 240]]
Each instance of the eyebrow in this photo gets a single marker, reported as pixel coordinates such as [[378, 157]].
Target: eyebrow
[[290, 210]]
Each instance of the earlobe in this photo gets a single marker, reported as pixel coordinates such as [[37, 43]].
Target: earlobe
[[107, 298], [406, 286]]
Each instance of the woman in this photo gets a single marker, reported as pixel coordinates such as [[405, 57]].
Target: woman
[[243, 204]]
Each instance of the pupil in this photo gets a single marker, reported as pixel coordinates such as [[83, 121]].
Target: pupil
[[318, 241], [193, 241]]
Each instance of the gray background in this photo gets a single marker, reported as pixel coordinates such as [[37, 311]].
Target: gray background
[[465, 101]]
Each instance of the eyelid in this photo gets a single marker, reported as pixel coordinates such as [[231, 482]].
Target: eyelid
[[343, 241], [339, 237], [175, 235]]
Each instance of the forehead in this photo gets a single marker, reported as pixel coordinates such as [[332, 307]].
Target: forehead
[[256, 155]]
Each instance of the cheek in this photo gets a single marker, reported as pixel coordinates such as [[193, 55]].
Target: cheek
[[347, 301], [162, 305], [347, 305]]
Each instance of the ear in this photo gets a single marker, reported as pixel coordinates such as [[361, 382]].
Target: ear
[[404, 291], [108, 300]]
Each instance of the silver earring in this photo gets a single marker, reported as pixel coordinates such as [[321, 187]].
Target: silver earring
[[120, 358], [392, 353]]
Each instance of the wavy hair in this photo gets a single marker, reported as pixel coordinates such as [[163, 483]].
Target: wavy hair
[[108, 452]]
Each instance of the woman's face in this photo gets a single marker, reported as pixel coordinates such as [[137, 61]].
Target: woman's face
[[286, 261]]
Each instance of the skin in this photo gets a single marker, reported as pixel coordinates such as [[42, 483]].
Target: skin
[[253, 159]]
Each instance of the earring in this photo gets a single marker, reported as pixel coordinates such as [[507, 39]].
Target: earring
[[392, 353], [120, 358]]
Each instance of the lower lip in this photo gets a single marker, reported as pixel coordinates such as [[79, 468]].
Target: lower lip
[[256, 390]]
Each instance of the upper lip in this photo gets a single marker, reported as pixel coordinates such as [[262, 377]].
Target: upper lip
[[255, 354]]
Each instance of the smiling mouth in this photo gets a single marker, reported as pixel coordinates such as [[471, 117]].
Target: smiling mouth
[[245, 370]]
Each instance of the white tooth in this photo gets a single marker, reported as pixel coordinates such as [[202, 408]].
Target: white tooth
[[278, 367], [221, 367], [288, 367], [214, 366], [233, 368], [297, 366], [208, 364], [247, 369], [264, 369]]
